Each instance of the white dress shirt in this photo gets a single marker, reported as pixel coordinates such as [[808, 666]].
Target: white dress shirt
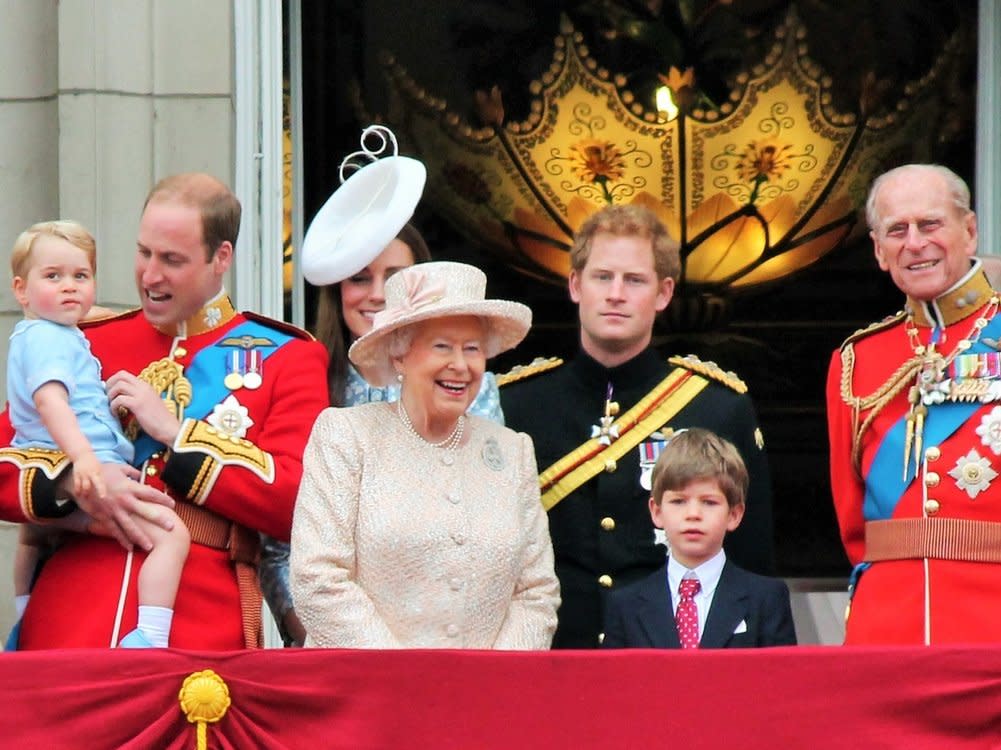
[[708, 574]]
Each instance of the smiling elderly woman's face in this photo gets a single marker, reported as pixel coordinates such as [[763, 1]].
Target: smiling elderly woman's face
[[443, 367]]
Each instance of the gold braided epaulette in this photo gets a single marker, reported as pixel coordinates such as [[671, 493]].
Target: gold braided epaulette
[[887, 322], [533, 368], [710, 370]]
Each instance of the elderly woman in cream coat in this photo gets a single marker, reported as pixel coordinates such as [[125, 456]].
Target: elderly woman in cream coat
[[417, 525]]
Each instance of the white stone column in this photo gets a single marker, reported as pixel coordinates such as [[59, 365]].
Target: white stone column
[[28, 175], [145, 90], [98, 100]]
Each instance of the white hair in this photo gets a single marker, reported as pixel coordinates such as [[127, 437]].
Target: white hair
[[400, 340], [957, 187]]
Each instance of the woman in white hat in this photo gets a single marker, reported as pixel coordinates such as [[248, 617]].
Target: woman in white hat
[[418, 525], [344, 314], [349, 260]]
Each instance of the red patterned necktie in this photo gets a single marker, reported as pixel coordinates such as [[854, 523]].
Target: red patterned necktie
[[687, 616]]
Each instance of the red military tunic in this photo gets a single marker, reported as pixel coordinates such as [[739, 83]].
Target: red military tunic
[[941, 592], [231, 479]]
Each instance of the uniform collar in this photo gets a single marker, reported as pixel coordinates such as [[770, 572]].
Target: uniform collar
[[964, 299], [215, 313], [635, 372]]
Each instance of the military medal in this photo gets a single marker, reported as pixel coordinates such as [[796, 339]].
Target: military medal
[[231, 418], [605, 430], [244, 364], [252, 378], [973, 473], [989, 430], [649, 451], [968, 378], [971, 377], [234, 377]]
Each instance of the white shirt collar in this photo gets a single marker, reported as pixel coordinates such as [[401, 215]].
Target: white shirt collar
[[708, 573]]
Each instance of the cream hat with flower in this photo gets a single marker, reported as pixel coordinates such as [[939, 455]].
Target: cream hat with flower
[[364, 215], [437, 290]]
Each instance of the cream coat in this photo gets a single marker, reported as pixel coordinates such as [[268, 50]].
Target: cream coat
[[398, 544]]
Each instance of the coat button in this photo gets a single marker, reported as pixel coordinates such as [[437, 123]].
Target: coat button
[[151, 471], [932, 506], [452, 630], [453, 498], [458, 538], [179, 352], [610, 465], [608, 523], [455, 584], [932, 453], [931, 479], [605, 580]]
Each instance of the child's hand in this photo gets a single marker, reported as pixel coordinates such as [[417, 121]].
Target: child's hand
[[87, 479]]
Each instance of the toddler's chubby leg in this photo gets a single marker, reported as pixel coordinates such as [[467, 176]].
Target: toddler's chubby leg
[[158, 581]]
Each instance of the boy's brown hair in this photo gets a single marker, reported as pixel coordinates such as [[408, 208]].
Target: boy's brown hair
[[71, 231], [695, 454]]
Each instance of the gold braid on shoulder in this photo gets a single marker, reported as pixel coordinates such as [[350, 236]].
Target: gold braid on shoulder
[[875, 402]]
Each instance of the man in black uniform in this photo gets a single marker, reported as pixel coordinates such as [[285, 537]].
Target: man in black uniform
[[600, 422]]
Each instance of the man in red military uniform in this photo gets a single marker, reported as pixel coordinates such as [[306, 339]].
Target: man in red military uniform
[[914, 414], [219, 405]]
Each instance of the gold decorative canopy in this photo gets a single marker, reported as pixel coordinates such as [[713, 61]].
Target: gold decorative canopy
[[755, 189]]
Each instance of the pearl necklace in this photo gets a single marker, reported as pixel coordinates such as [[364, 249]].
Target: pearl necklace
[[450, 443], [931, 366]]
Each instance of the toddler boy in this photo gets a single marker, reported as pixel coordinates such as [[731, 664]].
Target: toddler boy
[[57, 401]]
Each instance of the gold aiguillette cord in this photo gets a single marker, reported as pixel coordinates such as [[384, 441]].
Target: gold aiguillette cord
[[914, 398], [914, 430]]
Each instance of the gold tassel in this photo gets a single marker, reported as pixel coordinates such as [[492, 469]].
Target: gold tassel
[[913, 397], [919, 428]]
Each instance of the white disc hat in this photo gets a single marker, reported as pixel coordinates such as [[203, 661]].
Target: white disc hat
[[365, 213]]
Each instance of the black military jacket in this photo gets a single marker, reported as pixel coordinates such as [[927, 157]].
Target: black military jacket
[[602, 534]]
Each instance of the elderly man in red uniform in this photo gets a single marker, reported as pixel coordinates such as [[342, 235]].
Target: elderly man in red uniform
[[914, 413], [219, 405]]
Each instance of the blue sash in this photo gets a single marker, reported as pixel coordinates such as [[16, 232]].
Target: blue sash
[[205, 374], [884, 484]]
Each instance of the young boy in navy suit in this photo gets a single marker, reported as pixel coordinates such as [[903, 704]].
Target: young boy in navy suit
[[699, 599]]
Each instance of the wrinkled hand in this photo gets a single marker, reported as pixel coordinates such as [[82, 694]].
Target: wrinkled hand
[[128, 392], [125, 499], [87, 481]]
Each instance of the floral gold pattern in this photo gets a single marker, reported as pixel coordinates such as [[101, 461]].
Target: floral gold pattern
[[594, 160], [754, 188]]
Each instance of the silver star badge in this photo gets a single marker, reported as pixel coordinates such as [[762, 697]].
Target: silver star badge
[[230, 418], [973, 473], [989, 430]]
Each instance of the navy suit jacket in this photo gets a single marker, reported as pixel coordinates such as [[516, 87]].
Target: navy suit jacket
[[641, 616]]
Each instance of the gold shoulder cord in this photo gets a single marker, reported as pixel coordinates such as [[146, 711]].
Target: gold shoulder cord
[[876, 401], [166, 377]]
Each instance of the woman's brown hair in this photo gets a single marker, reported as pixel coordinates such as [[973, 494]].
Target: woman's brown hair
[[334, 334]]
